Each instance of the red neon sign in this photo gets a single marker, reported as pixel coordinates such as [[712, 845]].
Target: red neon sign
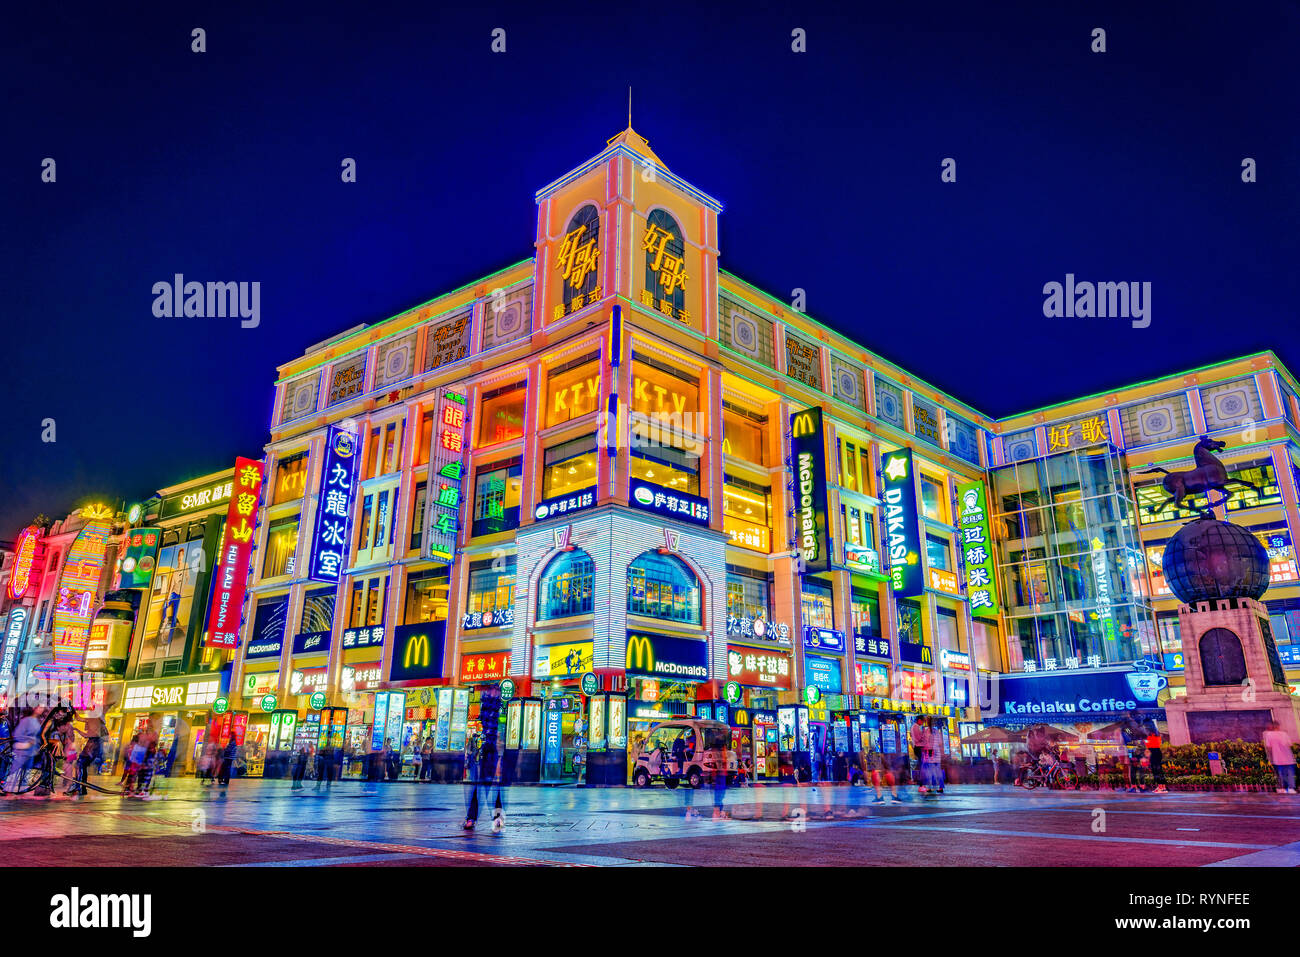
[[24, 561]]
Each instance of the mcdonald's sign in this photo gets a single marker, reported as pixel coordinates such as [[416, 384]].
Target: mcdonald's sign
[[417, 651], [808, 449], [663, 656]]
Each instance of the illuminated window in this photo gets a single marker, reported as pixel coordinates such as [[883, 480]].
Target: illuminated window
[[946, 635], [910, 621], [427, 593], [491, 588], [417, 517], [569, 466], [501, 415], [748, 593], [384, 450], [665, 401], [665, 260], [578, 257], [364, 526], [281, 543], [747, 513], [290, 478], [663, 586], [367, 603], [864, 608], [572, 390], [318, 610], [496, 497], [673, 469], [858, 529], [744, 434], [816, 604], [934, 500], [938, 553], [855, 466], [426, 437], [566, 586]]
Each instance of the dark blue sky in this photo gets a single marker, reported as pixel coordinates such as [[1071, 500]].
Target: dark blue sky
[[225, 166]]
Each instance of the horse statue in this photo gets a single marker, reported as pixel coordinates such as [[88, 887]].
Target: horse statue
[[1210, 473]]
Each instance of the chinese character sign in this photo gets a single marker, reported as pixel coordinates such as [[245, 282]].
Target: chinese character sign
[[331, 534], [230, 574], [449, 443], [78, 589], [140, 560], [977, 549]]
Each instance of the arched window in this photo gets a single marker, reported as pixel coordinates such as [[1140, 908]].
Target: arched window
[[665, 261], [565, 588], [663, 586], [578, 257], [1222, 660]]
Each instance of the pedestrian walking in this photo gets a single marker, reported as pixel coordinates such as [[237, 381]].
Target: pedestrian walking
[[882, 776], [1156, 762], [26, 737], [299, 767], [1277, 745], [228, 757], [426, 759], [147, 767], [484, 773], [720, 789], [920, 739]]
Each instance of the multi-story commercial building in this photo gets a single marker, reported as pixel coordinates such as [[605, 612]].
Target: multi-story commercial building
[[616, 469]]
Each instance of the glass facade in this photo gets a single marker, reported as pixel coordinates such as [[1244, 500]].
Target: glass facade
[[566, 587], [1069, 560], [663, 586]]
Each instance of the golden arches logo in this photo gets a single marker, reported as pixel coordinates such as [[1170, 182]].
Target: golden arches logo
[[640, 654], [802, 425], [417, 652]]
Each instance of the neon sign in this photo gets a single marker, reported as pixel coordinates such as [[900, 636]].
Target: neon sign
[[977, 549], [25, 551], [808, 449], [902, 535], [338, 481], [446, 477], [231, 572], [77, 590]]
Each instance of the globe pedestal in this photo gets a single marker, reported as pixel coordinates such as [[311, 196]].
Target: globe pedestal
[[1235, 683]]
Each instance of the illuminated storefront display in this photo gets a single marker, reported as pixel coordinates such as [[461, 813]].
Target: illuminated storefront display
[[363, 637], [79, 586], [663, 656], [487, 666], [867, 645], [808, 451], [565, 504], [191, 692], [360, 677], [230, 576], [197, 500], [140, 559], [562, 661], [917, 686], [260, 684], [862, 559], [902, 535], [109, 639], [755, 668], [823, 673], [499, 618], [747, 627], [418, 651], [661, 501], [1281, 557], [332, 532], [308, 681], [26, 551], [943, 581], [446, 476], [977, 549], [871, 679], [915, 652], [826, 639], [954, 660]]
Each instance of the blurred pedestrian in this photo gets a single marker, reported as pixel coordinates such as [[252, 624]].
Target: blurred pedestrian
[[1277, 745], [882, 776], [229, 755], [484, 772], [299, 767], [26, 736], [1156, 762], [920, 740]]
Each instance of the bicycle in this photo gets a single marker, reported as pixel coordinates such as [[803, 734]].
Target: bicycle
[[1054, 775], [39, 772]]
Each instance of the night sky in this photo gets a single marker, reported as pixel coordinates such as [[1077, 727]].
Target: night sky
[[224, 166]]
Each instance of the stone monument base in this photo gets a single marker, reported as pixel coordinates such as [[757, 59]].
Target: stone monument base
[[1229, 715]]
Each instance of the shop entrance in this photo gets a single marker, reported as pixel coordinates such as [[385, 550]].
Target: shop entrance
[[564, 742]]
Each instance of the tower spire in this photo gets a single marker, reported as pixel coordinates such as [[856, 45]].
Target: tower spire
[[629, 107]]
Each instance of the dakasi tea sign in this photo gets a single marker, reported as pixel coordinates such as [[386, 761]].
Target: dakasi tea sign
[[809, 452], [977, 549], [338, 486], [902, 534]]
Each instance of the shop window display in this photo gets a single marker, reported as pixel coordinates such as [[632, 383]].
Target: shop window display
[[569, 466], [566, 588], [663, 586], [501, 415]]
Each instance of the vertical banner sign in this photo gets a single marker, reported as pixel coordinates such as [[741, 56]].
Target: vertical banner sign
[[977, 549], [338, 489], [809, 450], [78, 588], [446, 476], [231, 571], [25, 554], [902, 531]]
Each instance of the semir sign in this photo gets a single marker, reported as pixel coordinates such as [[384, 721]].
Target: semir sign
[[808, 449]]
